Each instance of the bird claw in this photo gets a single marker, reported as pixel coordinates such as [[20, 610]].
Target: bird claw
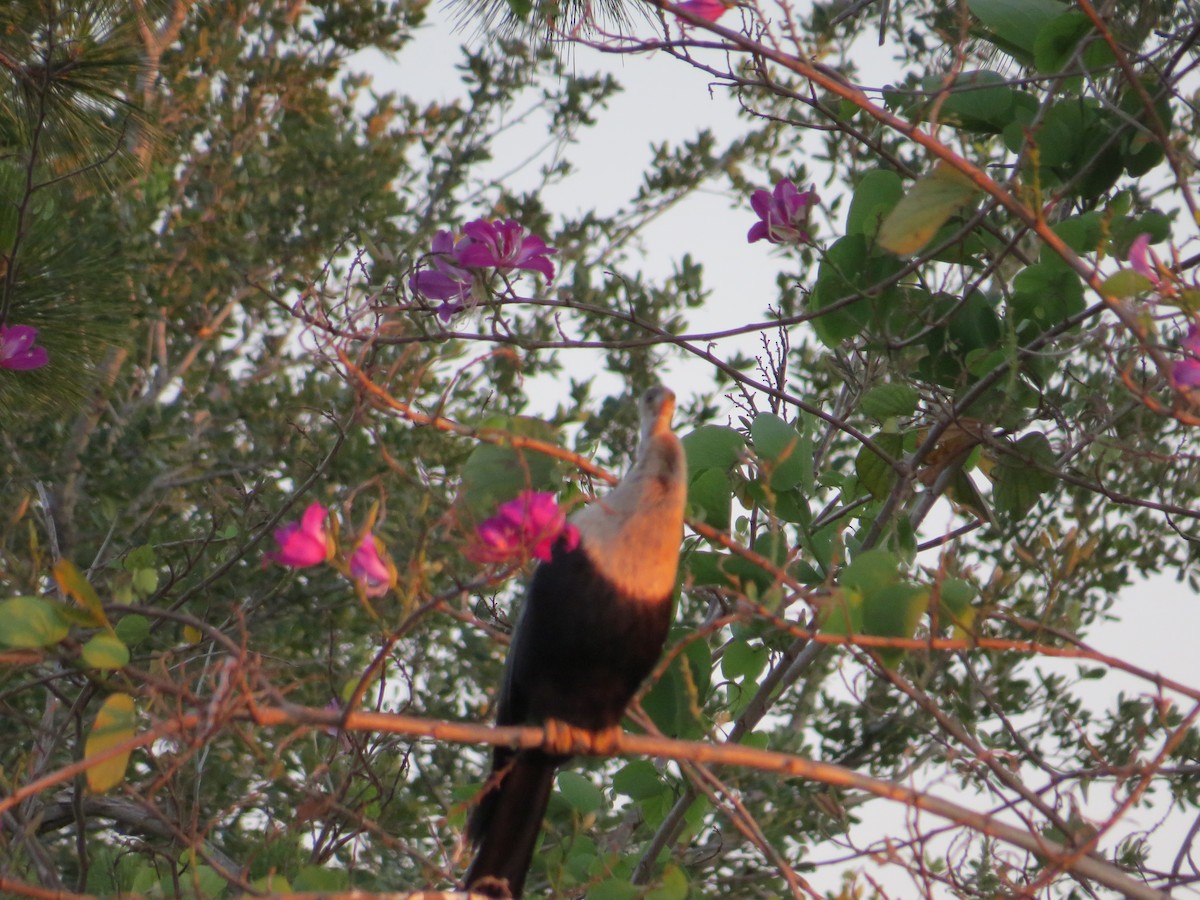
[[563, 739]]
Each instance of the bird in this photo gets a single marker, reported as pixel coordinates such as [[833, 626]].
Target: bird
[[592, 626]]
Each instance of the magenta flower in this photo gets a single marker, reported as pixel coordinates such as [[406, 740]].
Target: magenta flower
[[709, 10], [436, 286], [368, 568], [784, 214], [446, 281], [303, 543], [1141, 260], [528, 525], [505, 246], [17, 350], [1186, 372]]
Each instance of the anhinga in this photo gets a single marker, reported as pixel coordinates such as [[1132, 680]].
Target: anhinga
[[592, 627]]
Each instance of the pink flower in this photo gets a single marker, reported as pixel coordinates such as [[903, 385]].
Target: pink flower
[[1186, 372], [446, 281], [368, 568], [303, 543], [784, 214], [436, 286], [17, 350], [709, 10], [530, 524], [505, 246], [1141, 260]]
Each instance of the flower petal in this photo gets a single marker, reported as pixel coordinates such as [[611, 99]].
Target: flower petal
[[480, 256], [303, 543], [1139, 257], [368, 568], [530, 524], [438, 286], [710, 10], [1186, 373], [17, 350], [1191, 343]]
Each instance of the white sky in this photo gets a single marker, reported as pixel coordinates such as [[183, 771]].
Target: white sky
[[665, 99]]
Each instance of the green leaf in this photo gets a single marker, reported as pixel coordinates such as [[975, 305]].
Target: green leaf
[[875, 195], [318, 879], [614, 889], [707, 568], [520, 8], [1018, 482], [931, 201], [639, 780], [581, 855], [1101, 162], [962, 490], [954, 604], [144, 880], [133, 629], [792, 506], [894, 611], [886, 400], [114, 724], [674, 703], [1046, 293], [145, 581], [1126, 283], [138, 558], [31, 622], [871, 571], [873, 471], [1060, 136], [975, 324], [202, 882], [805, 425], [495, 473], [672, 885], [1015, 24], [1056, 40], [779, 447], [1157, 225], [272, 884], [712, 447], [1082, 233], [579, 792], [711, 494], [979, 101], [743, 659], [105, 652], [980, 362], [841, 613], [838, 278], [1140, 149]]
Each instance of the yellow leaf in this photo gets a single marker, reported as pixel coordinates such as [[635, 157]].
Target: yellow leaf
[[192, 634], [114, 725], [72, 583], [105, 652], [925, 208], [31, 622]]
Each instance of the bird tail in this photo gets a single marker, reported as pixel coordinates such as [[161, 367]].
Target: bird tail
[[506, 823]]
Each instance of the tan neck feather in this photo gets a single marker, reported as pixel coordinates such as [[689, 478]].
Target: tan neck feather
[[632, 534]]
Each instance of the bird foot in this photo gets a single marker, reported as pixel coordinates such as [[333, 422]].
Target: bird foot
[[564, 739]]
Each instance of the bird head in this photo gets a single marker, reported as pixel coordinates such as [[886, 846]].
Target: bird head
[[656, 409]]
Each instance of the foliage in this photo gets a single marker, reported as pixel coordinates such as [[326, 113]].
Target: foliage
[[968, 428]]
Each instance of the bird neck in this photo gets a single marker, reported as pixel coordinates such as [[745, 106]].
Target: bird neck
[[632, 534]]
